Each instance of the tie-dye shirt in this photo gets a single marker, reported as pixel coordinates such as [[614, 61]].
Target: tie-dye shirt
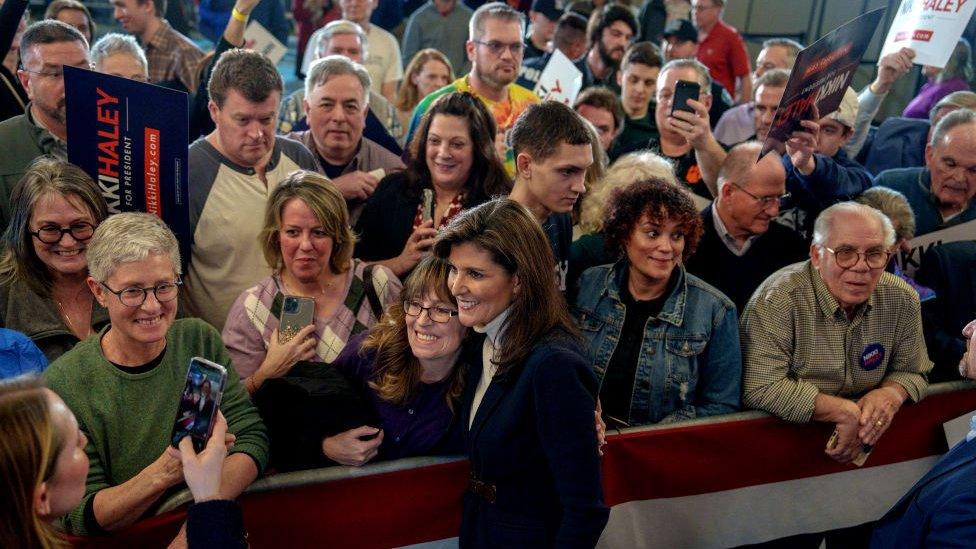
[[504, 112]]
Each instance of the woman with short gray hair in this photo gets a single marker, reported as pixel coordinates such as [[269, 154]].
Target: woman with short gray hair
[[124, 384], [120, 55]]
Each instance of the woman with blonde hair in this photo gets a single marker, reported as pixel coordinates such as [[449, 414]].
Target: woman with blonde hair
[[428, 71], [588, 250], [307, 242], [43, 268]]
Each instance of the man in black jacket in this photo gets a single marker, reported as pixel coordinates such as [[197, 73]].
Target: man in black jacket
[[742, 244]]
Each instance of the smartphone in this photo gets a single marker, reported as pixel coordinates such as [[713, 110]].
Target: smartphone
[[683, 91], [199, 402], [296, 313], [427, 212]]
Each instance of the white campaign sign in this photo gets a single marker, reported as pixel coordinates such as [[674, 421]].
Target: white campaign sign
[[930, 27], [561, 80], [910, 261], [257, 38]]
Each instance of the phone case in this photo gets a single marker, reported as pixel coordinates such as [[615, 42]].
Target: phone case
[[683, 91], [199, 402], [296, 313]]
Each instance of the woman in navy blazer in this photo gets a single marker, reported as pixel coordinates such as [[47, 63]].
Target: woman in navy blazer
[[527, 413]]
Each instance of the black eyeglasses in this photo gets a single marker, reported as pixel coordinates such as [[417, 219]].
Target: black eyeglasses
[[52, 234], [497, 48], [847, 258], [437, 314], [766, 201], [135, 296]]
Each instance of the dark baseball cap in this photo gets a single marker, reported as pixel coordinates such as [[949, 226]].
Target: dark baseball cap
[[547, 8], [682, 29]]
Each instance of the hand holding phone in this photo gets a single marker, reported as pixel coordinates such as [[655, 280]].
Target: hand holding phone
[[199, 403], [683, 91], [202, 470], [297, 312]]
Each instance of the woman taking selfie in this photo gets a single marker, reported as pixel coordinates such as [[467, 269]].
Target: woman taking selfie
[[452, 156], [125, 384], [307, 241], [43, 468], [527, 409], [43, 292], [664, 344], [410, 368]]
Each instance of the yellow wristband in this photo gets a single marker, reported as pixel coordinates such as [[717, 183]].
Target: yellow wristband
[[238, 16]]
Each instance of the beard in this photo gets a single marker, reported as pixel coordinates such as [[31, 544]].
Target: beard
[[605, 57], [494, 81], [56, 112]]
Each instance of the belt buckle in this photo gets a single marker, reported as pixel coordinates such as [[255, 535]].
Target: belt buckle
[[483, 489]]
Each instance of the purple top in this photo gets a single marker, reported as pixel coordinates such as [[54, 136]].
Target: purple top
[[418, 429], [930, 94]]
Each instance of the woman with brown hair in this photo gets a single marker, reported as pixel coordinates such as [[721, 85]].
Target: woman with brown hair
[[527, 411], [43, 267], [663, 343], [428, 71], [453, 156], [410, 368]]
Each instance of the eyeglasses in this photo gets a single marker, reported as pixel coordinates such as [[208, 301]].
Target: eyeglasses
[[847, 258], [766, 201], [56, 74], [135, 296], [52, 234], [437, 314], [497, 48]]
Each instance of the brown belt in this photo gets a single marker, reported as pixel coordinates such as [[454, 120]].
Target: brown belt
[[484, 490]]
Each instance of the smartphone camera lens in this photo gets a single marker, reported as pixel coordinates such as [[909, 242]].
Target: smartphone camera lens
[[290, 305]]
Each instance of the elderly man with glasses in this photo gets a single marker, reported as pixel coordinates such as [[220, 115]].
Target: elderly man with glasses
[[45, 48], [836, 338], [495, 49]]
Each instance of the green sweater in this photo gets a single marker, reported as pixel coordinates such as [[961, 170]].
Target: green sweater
[[128, 418]]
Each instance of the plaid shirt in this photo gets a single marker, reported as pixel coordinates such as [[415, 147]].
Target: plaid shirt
[[798, 342], [173, 57]]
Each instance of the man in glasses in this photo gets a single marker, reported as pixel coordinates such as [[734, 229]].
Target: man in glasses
[[495, 50], [742, 244], [45, 48], [836, 338]]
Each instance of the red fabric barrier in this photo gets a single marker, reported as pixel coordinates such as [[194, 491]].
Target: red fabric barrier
[[423, 504]]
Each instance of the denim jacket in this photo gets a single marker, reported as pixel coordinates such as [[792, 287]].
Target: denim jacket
[[690, 364]]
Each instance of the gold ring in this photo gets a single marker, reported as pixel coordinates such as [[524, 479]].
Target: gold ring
[[880, 422]]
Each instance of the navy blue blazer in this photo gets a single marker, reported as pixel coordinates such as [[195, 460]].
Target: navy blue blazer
[[534, 439], [939, 511]]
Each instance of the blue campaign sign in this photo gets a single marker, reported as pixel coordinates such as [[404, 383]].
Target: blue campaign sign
[[131, 138]]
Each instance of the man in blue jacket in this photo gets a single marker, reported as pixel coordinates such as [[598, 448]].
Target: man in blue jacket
[[940, 510]]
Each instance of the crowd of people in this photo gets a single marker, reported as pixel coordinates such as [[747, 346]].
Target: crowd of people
[[491, 274]]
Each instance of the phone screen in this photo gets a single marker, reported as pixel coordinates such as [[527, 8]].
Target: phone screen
[[199, 402], [683, 91], [296, 313]]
